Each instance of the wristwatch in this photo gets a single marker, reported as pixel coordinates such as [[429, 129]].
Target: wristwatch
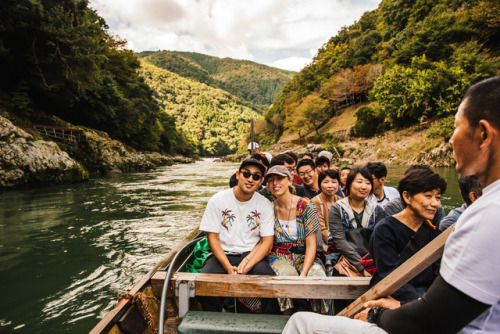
[[373, 314]]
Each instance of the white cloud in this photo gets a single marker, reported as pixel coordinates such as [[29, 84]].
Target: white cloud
[[291, 63], [278, 32]]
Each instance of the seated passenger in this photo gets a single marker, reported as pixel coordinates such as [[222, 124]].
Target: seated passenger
[[352, 212], [309, 176], [233, 181], [322, 164], [329, 183], [327, 154], [295, 226], [343, 177], [287, 161], [396, 238], [296, 178], [239, 226], [395, 205], [307, 155], [471, 190], [381, 194]]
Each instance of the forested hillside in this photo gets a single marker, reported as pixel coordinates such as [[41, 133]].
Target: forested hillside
[[414, 59], [212, 118], [57, 58], [256, 83]]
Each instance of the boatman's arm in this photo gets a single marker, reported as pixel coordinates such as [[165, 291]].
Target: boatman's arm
[[443, 309], [213, 241], [256, 255]]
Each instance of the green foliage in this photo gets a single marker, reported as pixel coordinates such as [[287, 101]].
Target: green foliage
[[368, 121], [256, 83], [57, 57], [333, 145], [407, 95], [443, 128], [214, 120], [432, 50]]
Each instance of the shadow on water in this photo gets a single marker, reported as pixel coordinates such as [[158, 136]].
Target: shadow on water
[[68, 252]]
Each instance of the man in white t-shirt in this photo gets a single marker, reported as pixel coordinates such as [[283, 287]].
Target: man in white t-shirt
[[240, 227], [465, 297], [381, 194]]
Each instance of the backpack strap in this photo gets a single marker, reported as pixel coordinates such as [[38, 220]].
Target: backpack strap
[[413, 243]]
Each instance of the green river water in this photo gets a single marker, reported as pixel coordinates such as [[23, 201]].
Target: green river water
[[68, 252]]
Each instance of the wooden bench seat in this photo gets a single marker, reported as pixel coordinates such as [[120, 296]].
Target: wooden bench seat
[[188, 285], [198, 322]]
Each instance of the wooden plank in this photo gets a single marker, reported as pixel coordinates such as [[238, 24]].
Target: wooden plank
[[270, 286], [403, 274], [111, 317]]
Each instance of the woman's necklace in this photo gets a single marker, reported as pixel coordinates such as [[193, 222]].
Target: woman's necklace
[[290, 209]]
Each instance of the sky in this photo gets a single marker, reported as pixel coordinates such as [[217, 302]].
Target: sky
[[280, 33]]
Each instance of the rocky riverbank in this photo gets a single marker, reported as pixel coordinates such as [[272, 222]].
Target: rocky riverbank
[[26, 161], [397, 147]]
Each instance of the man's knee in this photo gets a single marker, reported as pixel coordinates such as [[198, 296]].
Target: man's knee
[[213, 266], [262, 268]]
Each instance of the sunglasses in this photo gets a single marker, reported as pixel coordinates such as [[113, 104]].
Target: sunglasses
[[255, 177]]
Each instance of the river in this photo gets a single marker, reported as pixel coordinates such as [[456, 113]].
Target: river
[[68, 252]]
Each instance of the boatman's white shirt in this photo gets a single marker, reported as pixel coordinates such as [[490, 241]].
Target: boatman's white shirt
[[389, 193], [240, 225], [470, 259]]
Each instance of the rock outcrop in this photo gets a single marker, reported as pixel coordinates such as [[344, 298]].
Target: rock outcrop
[[101, 155], [25, 161]]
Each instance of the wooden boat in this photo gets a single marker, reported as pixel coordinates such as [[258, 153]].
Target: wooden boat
[[138, 311]]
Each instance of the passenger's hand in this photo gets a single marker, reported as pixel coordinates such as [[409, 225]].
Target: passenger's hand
[[366, 274], [388, 302], [232, 270], [243, 268], [362, 315]]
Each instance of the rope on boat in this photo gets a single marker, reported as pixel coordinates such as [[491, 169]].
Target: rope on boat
[[171, 266], [140, 299]]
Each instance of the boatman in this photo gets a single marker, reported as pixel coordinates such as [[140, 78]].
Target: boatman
[[240, 228], [465, 297]]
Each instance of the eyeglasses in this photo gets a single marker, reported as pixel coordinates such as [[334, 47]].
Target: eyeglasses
[[301, 174], [255, 177]]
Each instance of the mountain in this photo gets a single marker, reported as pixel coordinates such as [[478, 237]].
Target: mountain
[[412, 59], [213, 119], [212, 100], [256, 83]]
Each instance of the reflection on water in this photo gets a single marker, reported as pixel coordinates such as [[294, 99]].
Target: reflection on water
[[68, 252]]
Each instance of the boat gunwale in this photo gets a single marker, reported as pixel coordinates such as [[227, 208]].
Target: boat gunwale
[[123, 304]]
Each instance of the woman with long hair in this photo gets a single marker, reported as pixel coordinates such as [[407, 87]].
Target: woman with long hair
[[295, 228], [396, 238], [352, 212]]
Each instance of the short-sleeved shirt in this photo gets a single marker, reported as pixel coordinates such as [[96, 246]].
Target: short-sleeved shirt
[[389, 194], [470, 259], [240, 225], [306, 222]]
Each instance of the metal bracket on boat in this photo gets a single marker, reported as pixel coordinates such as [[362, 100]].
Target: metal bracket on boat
[[184, 290]]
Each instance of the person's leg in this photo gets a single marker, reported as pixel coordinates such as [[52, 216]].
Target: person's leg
[[213, 266], [283, 268], [308, 322], [269, 305], [318, 305]]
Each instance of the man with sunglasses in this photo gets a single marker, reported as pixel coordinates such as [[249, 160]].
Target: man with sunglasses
[[240, 230]]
